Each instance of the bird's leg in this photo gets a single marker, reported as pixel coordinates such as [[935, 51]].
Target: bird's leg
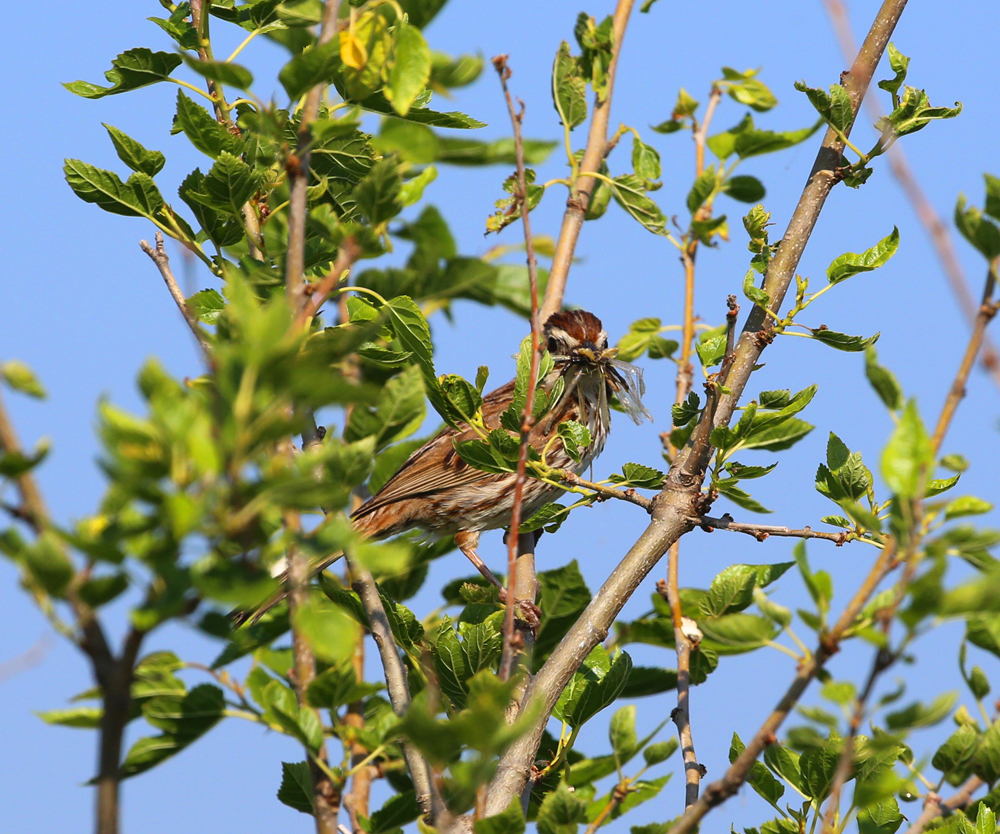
[[467, 541]]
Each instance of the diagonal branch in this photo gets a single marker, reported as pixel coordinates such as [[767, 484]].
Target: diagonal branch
[[428, 798], [593, 155], [158, 256], [935, 807], [681, 497]]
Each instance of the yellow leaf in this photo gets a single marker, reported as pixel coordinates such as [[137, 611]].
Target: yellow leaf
[[352, 51]]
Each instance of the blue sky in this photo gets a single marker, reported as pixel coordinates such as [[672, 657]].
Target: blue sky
[[84, 307]]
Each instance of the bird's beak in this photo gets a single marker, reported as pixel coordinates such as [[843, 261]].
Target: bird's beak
[[595, 355]]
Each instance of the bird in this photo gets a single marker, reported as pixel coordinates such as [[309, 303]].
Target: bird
[[435, 490]]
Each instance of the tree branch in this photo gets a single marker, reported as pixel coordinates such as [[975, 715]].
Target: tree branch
[[934, 807], [593, 156], [764, 531], [681, 499], [298, 171], [428, 798], [158, 256]]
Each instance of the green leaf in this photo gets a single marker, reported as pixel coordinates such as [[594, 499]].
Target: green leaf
[[645, 161], [131, 70], [224, 230], [753, 142], [315, 65], [900, 64], [914, 113], [48, 564], [966, 505], [461, 151], [378, 103], [883, 381], [596, 685], [87, 718], [921, 715], [881, 818], [135, 155], [745, 189], [19, 377], [451, 73], [136, 197], [509, 821], [227, 186], [818, 766], [851, 263], [203, 129], [639, 476], [992, 206], [561, 811], [222, 72], [207, 305], [296, 789], [986, 759], [753, 93], [835, 107], [630, 193], [575, 437], [397, 412], [908, 455], [411, 69], [377, 195], [981, 232], [569, 90], [752, 291], [842, 341], [759, 777], [702, 189]]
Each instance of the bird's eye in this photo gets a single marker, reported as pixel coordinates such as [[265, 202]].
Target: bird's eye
[[553, 345]]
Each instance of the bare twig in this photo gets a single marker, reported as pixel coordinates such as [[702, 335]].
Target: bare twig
[[938, 231], [763, 531], [339, 272], [428, 798], [527, 414], [935, 807], [681, 498], [298, 171], [158, 255], [593, 156]]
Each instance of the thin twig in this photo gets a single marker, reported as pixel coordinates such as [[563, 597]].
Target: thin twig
[[763, 531], [935, 807], [938, 231], [428, 798], [681, 714], [158, 255], [593, 156], [527, 414], [347, 254], [298, 170]]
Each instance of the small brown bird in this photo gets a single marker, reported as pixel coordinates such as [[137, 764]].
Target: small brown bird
[[437, 491]]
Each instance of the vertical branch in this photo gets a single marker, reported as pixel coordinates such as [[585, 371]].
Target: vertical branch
[[113, 675], [593, 155], [527, 415], [298, 171], [200, 17], [326, 799], [936, 228]]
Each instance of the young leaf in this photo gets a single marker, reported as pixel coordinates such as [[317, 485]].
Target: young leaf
[[19, 377], [908, 454], [851, 263], [131, 70], [835, 107], [883, 381], [411, 68], [569, 90], [630, 193], [135, 155]]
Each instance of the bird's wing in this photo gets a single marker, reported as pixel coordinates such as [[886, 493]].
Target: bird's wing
[[436, 466]]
